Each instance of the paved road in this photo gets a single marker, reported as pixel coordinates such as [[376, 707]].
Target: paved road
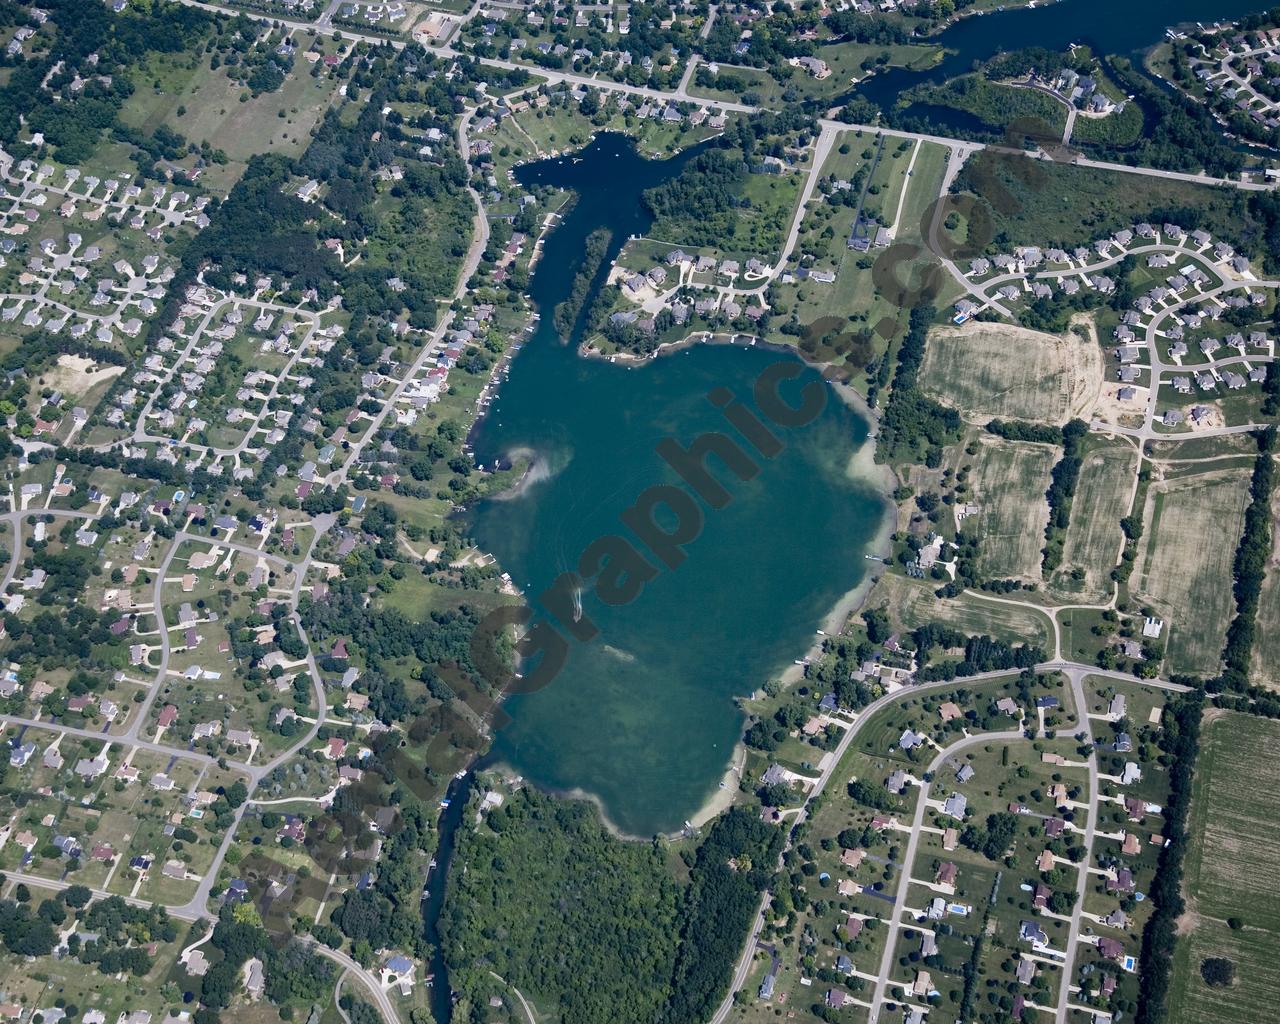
[[480, 239], [571, 78], [887, 959], [1075, 676]]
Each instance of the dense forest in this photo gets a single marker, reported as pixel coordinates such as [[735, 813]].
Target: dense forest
[[1180, 745], [567, 312], [914, 427], [699, 206], [1062, 488], [599, 929], [579, 921], [1251, 564], [981, 653]]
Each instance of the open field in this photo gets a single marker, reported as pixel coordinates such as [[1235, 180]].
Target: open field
[[1008, 484], [995, 370], [207, 106], [1192, 528], [1231, 863], [1102, 499], [1066, 205], [910, 603]]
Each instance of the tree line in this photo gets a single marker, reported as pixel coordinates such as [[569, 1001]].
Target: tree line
[[911, 421]]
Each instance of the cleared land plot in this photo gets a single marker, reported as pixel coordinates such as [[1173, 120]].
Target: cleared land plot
[[1266, 648], [1008, 484], [1002, 371], [1193, 527], [1101, 501], [1230, 870], [910, 603]]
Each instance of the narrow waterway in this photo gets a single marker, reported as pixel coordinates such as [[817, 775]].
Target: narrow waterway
[[1127, 29], [441, 996]]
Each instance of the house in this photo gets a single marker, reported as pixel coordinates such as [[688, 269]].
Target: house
[[254, 979], [292, 828], [946, 874], [896, 782], [1110, 949], [1007, 706], [399, 970], [949, 711], [196, 963], [928, 944], [1030, 931], [955, 805]]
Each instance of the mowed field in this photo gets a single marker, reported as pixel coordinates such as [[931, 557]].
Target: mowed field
[[1266, 645], [1008, 483], [1002, 371], [1231, 868], [910, 603], [1193, 527], [1102, 500]]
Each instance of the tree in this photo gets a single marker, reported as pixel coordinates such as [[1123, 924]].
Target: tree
[[1217, 971]]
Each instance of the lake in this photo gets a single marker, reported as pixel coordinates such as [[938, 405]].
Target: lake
[[642, 717]]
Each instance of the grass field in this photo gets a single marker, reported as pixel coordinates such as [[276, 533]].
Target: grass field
[[910, 603], [1102, 500], [1193, 526], [205, 105], [992, 370], [1062, 204], [1230, 867], [1008, 483]]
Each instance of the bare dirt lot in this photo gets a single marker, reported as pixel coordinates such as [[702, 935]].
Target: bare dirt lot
[[75, 375], [992, 370]]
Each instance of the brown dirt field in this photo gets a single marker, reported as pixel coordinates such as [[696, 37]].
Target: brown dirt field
[[999, 370]]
